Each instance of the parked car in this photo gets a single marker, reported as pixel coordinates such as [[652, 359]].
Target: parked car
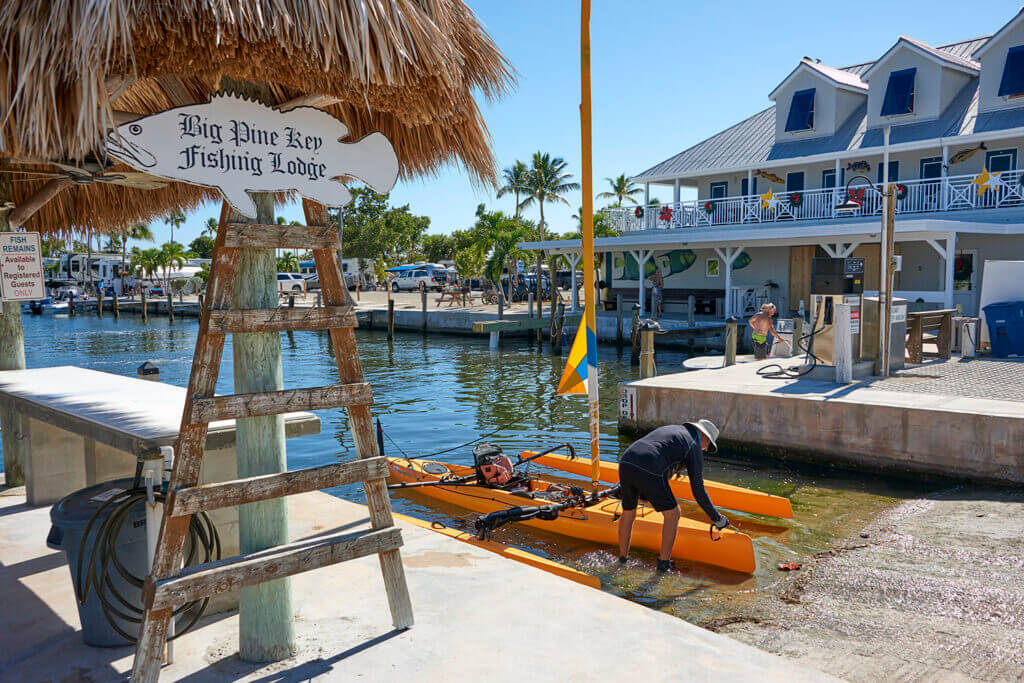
[[291, 282], [409, 280]]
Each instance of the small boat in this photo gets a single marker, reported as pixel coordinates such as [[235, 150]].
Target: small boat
[[722, 495], [47, 305], [597, 522]]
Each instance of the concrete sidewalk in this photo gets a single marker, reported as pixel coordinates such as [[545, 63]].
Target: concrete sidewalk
[[478, 616]]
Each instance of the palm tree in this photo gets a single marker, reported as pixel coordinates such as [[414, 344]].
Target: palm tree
[[288, 262], [622, 188], [175, 218], [210, 227], [145, 262], [548, 181], [172, 254], [515, 177], [139, 231]]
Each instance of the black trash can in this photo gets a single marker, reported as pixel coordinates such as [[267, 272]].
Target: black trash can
[[70, 518]]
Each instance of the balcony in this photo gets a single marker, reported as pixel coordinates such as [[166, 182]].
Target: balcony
[[932, 195]]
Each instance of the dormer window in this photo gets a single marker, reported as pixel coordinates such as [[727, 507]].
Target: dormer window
[[1012, 84], [899, 93], [801, 111]]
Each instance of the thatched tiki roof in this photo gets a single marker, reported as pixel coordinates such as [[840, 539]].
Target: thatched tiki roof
[[71, 70]]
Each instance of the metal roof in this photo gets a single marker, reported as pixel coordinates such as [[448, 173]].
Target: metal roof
[[752, 141]]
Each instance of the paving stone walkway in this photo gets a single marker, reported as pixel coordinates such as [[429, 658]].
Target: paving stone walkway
[[1001, 379]]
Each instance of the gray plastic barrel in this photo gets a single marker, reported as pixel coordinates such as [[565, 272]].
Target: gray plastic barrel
[[70, 517]]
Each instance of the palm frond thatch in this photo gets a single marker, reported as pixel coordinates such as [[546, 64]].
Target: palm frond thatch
[[407, 68]]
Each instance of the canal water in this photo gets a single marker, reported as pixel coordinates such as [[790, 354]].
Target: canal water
[[438, 392]]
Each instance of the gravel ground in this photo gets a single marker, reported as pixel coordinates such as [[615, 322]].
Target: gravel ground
[[932, 590]]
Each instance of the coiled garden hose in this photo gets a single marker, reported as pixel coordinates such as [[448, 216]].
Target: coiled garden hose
[[203, 544]]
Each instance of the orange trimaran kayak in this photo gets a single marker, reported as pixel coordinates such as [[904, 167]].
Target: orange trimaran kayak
[[722, 495], [597, 523]]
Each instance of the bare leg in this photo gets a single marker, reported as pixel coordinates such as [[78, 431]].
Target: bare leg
[[669, 527], [625, 531]]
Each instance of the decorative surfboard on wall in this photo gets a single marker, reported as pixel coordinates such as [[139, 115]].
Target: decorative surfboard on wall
[[238, 146]]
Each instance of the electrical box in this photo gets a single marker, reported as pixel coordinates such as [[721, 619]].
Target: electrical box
[[837, 276], [897, 335]]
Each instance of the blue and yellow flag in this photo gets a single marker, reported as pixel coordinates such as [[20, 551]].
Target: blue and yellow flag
[[582, 355]]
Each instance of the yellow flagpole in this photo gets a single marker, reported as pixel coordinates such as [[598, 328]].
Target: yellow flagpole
[[589, 308]]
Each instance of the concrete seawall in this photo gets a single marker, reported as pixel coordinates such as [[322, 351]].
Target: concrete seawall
[[852, 426]]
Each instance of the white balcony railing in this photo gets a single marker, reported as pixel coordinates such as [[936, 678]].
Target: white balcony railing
[[953, 193]]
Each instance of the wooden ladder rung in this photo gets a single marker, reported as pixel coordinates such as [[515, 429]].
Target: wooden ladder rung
[[232, 321], [189, 501], [205, 580], [277, 402], [281, 236]]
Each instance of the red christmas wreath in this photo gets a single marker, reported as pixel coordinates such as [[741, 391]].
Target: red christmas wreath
[[666, 214], [857, 196], [796, 199], [709, 208], [901, 191], [638, 212]]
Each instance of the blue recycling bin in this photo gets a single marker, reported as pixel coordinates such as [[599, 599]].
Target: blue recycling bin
[[70, 518], [1006, 328]]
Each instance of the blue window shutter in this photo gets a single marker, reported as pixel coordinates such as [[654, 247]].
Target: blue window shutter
[[795, 181], [1013, 73], [894, 171], [801, 111], [899, 93]]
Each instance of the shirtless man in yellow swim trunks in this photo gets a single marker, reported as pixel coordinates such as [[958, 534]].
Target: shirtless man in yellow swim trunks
[[761, 324]]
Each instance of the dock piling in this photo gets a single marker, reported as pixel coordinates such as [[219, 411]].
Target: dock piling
[[145, 312], [170, 307], [618, 321], [319, 303], [691, 310], [202, 298], [117, 306], [391, 319], [731, 334], [423, 306], [291, 301], [99, 301], [501, 305], [557, 321], [647, 364], [529, 304]]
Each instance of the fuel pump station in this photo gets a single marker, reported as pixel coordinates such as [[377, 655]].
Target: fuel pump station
[[834, 281]]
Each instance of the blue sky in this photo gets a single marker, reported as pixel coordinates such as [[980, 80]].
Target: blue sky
[[666, 75]]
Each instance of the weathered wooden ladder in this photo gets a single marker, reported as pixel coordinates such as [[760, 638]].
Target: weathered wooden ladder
[[169, 586]]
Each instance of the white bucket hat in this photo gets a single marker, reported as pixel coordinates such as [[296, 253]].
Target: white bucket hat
[[708, 429]]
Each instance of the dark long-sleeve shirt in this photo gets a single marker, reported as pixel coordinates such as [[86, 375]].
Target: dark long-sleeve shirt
[[666, 451]]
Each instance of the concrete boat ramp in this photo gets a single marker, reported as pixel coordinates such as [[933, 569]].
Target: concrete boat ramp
[[960, 419], [479, 616]]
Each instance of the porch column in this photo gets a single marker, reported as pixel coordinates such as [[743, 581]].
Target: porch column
[[728, 257], [837, 191], [675, 194], [944, 183], [948, 254], [574, 259], [642, 257]]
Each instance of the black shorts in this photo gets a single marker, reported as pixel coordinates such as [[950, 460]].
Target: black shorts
[[639, 483], [760, 350]]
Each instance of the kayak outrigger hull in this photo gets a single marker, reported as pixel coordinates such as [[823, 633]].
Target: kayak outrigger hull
[[597, 523], [722, 495]]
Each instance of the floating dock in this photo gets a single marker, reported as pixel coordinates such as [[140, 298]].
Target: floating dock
[[958, 419]]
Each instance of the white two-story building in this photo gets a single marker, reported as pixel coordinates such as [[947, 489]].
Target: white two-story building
[[949, 118]]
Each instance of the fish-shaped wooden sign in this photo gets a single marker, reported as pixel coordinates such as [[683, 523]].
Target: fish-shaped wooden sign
[[965, 154], [239, 146], [771, 177], [858, 167]]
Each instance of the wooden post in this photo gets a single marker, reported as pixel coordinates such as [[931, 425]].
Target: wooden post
[[647, 366], [391, 319], [731, 333], [618, 320], [291, 301], [145, 311], [357, 291], [99, 300], [202, 300], [117, 305], [170, 306], [557, 321], [423, 305], [691, 309], [501, 304], [266, 627], [71, 303], [529, 303], [844, 345], [798, 333], [634, 337], [12, 357]]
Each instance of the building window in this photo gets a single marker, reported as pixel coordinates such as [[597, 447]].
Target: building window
[[1012, 83], [801, 111], [743, 188], [963, 270], [719, 190], [1001, 160], [899, 93], [828, 178], [795, 181], [894, 171], [931, 167]]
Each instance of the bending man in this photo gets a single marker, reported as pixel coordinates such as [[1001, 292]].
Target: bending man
[[644, 470]]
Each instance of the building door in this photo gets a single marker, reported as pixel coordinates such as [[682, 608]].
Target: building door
[[872, 265], [800, 276], [966, 281]]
